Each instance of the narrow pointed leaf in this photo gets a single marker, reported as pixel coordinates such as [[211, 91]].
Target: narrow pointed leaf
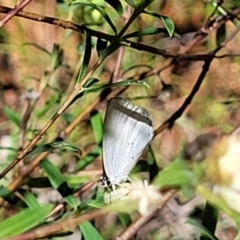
[[101, 45], [97, 126], [116, 4], [221, 34], [38, 47], [29, 198], [209, 219], [13, 116], [123, 83], [90, 82], [200, 227], [50, 147], [89, 158], [89, 232], [146, 31], [11, 197], [131, 3], [168, 23], [102, 54], [58, 181], [24, 221], [86, 58], [55, 176], [98, 8]]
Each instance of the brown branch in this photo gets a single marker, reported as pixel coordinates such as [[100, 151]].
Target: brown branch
[[228, 55], [116, 72], [139, 46], [57, 22], [169, 122], [231, 36], [166, 53], [24, 123], [140, 222], [14, 12], [65, 224]]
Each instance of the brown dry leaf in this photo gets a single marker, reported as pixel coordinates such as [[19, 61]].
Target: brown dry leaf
[[170, 143]]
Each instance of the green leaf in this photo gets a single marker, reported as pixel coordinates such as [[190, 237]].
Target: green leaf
[[58, 182], [90, 82], [24, 220], [55, 176], [209, 219], [96, 204], [97, 126], [131, 3], [200, 227], [13, 116], [137, 66], [89, 232], [98, 87], [168, 23], [124, 219], [145, 32], [52, 102], [38, 182], [10, 149], [29, 198], [175, 175], [116, 4], [218, 201], [86, 160], [123, 83], [86, 58], [56, 57], [30, 78], [221, 34], [38, 47], [49, 147], [101, 45], [98, 8], [102, 54], [11, 198], [152, 164]]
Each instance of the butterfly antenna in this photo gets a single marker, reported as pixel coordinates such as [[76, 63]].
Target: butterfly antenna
[[84, 187]]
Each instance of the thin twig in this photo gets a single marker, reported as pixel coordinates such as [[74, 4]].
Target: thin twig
[[200, 35], [26, 116], [14, 12], [24, 123], [210, 18], [170, 122], [57, 22], [140, 222], [67, 223], [116, 73]]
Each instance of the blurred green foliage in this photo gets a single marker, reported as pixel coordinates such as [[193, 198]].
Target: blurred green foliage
[[61, 79]]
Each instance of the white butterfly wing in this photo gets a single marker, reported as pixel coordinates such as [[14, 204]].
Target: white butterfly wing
[[127, 131]]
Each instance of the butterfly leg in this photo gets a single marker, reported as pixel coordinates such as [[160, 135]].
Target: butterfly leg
[[115, 191]]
